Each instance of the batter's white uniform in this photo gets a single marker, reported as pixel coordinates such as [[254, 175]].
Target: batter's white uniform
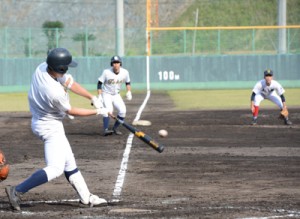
[[271, 92], [48, 102], [111, 86]]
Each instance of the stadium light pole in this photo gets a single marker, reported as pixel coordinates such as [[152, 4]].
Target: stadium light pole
[[195, 31], [148, 42], [120, 27], [282, 22]]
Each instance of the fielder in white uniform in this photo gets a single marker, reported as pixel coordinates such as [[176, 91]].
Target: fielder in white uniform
[[109, 86], [49, 104], [267, 89]]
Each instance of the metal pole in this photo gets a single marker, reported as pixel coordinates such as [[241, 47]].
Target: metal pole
[[57, 37], [253, 41], [86, 42], [282, 22], [120, 27], [148, 43], [6, 42], [30, 42], [219, 41], [195, 31], [184, 41]]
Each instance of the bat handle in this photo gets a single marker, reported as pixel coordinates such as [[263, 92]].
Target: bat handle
[[116, 118]]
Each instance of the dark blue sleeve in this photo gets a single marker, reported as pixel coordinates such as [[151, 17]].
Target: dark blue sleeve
[[252, 96], [282, 98], [99, 85]]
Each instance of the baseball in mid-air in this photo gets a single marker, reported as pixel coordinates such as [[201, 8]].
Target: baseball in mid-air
[[163, 133]]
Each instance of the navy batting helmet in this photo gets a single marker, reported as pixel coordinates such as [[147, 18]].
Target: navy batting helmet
[[59, 59], [115, 59], [268, 72]]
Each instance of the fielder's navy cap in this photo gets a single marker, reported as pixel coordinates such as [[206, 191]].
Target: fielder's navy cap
[[268, 72]]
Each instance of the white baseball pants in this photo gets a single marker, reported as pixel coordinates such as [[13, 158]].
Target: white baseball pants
[[111, 101], [58, 152]]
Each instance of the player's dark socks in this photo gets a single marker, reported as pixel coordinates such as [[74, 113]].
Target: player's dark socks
[[105, 122], [254, 121], [117, 124], [36, 179], [69, 173]]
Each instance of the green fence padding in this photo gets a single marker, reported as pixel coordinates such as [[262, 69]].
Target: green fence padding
[[167, 72]]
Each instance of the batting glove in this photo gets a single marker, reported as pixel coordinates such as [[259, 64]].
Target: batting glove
[[97, 103], [128, 95], [103, 112]]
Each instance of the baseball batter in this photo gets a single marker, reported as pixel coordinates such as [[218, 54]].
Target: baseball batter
[[49, 104], [268, 89], [109, 86]]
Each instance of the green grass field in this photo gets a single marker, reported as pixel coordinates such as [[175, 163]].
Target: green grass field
[[225, 99], [184, 100]]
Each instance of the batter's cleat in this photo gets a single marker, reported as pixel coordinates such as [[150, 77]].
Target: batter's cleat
[[13, 198], [107, 132], [117, 132], [94, 200], [287, 122], [254, 121]]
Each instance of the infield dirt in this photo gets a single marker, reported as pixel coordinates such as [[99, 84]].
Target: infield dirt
[[215, 165]]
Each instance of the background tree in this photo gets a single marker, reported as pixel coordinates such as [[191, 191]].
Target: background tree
[[84, 38], [53, 30]]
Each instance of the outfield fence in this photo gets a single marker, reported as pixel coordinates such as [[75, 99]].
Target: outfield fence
[[181, 58], [167, 72], [92, 42]]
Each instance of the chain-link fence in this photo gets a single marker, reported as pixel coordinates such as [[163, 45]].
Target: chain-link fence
[[224, 40], [35, 42]]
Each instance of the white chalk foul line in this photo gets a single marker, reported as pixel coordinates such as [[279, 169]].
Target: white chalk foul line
[[123, 167], [283, 212], [52, 201]]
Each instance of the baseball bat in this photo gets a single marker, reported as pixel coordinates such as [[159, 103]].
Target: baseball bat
[[141, 135]]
